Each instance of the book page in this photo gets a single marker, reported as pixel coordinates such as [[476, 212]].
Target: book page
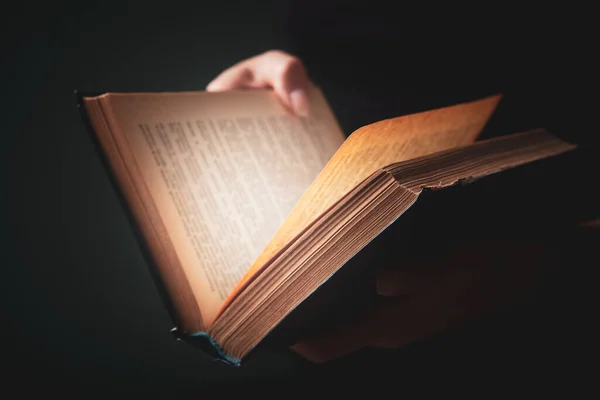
[[371, 148], [224, 170]]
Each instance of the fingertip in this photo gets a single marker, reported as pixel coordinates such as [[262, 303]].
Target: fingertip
[[212, 86], [299, 102]]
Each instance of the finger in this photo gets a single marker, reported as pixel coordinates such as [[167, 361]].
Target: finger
[[336, 343], [278, 70], [239, 76], [459, 266], [416, 275], [287, 75], [400, 321], [326, 348], [395, 322]]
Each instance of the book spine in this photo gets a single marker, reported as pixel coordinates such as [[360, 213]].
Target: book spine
[[205, 343]]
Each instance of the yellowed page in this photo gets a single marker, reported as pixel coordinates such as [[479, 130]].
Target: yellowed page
[[224, 170], [371, 148]]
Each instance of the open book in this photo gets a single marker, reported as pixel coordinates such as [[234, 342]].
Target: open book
[[246, 210]]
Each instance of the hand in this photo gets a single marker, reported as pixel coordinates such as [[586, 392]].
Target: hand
[[435, 294], [275, 69]]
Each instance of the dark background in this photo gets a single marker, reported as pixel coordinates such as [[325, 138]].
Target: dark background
[[79, 306], [80, 312]]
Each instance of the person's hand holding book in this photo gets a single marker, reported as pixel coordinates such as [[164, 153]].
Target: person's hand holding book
[[436, 293]]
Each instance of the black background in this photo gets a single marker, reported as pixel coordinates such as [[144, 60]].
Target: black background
[[78, 302], [80, 312]]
